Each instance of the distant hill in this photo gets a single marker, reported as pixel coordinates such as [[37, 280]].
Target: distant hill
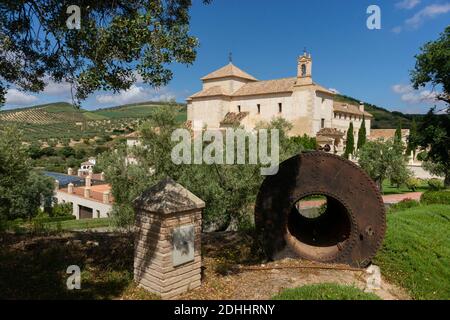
[[383, 118], [135, 110], [43, 114], [63, 112], [61, 122]]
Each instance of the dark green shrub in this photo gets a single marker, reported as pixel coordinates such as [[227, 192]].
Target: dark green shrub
[[62, 210], [403, 205], [422, 156], [435, 184], [436, 197]]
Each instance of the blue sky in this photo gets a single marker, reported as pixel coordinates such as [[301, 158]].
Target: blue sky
[[265, 38]]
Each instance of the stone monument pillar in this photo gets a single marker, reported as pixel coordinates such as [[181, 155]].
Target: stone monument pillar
[[167, 258]]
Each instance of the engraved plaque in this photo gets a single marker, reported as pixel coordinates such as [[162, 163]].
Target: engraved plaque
[[183, 245]]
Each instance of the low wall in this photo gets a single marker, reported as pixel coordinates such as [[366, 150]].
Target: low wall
[[419, 172]]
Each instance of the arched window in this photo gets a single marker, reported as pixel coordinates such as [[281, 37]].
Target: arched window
[[303, 70]]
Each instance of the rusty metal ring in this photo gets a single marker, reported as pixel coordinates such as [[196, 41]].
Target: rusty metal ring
[[353, 226]]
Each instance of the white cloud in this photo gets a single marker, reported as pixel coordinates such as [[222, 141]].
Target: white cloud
[[427, 13], [16, 97], [401, 88], [135, 94], [57, 89], [407, 4], [411, 96]]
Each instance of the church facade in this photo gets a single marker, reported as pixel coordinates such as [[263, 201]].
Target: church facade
[[231, 97]]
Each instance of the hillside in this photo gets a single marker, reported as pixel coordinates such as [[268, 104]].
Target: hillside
[[383, 119], [138, 110], [60, 121], [43, 114], [64, 112]]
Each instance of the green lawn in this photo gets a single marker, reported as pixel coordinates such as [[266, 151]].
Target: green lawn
[[325, 291], [390, 189], [51, 224], [416, 251], [78, 224]]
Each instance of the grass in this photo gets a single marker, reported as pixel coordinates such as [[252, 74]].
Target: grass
[[325, 291], [416, 251], [415, 255], [390, 189], [79, 224], [37, 226]]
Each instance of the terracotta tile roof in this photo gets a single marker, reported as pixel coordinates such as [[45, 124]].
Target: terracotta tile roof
[[318, 87], [230, 70], [385, 133], [96, 192], [284, 85], [349, 108], [233, 118], [266, 86], [210, 92], [330, 132]]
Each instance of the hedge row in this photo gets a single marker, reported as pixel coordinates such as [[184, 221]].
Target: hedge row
[[436, 197]]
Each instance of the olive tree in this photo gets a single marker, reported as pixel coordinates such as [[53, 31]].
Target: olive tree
[[383, 160]]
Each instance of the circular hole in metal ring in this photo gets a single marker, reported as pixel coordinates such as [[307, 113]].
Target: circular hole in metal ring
[[318, 226]]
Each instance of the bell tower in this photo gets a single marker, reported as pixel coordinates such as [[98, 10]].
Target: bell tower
[[304, 70]]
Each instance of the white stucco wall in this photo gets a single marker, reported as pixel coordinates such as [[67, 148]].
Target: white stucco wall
[[323, 109], [207, 111], [419, 172], [269, 108], [342, 123], [304, 108], [102, 209]]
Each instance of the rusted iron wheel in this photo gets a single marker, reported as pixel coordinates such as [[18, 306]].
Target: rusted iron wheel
[[350, 229]]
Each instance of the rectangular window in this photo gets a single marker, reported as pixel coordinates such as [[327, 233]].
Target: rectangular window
[[322, 123], [259, 108], [239, 109], [280, 107]]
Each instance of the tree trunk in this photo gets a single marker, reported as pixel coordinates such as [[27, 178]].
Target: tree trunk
[[447, 180], [379, 183]]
